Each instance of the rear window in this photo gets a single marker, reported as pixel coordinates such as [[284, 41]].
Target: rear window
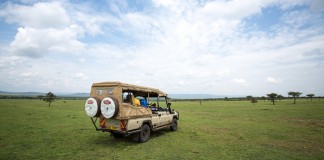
[[104, 91]]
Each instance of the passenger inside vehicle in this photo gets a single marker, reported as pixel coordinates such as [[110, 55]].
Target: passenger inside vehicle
[[136, 101]]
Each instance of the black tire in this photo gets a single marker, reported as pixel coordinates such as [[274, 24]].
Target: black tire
[[117, 135], [144, 135], [174, 125]]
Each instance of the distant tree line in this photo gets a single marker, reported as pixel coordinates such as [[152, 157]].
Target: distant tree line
[[271, 97], [40, 97]]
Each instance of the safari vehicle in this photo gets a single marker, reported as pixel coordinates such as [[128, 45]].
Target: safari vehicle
[[124, 109]]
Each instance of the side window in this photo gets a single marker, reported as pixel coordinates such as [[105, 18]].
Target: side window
[[162, 102], [135, 100], [127, 97]]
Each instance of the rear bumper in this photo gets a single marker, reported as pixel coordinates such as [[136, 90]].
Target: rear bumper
[[126, 133]]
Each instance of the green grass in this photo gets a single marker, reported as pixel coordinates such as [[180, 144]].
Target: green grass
[[214, 130]]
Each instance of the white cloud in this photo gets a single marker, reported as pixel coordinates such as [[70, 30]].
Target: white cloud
[[165, 3], [317, 5], [35, 43], [273, 80], [234, 9], [79, 75], [177, 46], [45, 28], [82, 60], [39, 15], [240, 81]]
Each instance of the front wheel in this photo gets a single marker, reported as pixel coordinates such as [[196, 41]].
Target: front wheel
[[144, 135], [174, 125]]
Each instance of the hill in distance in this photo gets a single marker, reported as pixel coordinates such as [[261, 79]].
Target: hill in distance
[[21, 93], [33, 94]]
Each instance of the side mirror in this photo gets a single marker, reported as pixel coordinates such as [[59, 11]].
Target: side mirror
[[169, 104]]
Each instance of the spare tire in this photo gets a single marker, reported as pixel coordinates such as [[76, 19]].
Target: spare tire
[[92, 106], [109, 107]]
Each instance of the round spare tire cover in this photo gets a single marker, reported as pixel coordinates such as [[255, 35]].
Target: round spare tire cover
[[92, 107], [109, 107]]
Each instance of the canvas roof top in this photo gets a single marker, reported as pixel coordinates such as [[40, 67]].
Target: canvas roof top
[[130, 87]]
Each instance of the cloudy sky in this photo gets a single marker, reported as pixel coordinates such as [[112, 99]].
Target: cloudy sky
[[221, 47]]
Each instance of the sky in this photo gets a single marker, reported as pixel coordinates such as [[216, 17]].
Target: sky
[[221, 47]]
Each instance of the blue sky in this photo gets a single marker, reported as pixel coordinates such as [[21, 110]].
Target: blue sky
[[222, 47]]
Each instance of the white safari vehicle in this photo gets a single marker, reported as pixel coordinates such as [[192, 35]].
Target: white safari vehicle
[[124, 109]]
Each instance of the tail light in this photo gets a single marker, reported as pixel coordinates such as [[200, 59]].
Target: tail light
[[123, 124], [103, 122]]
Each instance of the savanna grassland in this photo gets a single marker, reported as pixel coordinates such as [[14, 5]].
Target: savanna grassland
[[213, 130]]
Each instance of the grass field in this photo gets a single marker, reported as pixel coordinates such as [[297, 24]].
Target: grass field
[[214, 130]]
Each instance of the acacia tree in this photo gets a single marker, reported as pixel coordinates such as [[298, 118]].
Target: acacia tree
[[294, 95], [280, 97], [254, 100], [311, 96], [49, 97], [272, 97], [263, 98], [249, 97], [40, 97]]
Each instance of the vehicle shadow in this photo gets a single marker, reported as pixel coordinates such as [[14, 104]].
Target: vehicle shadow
[[106, 139]]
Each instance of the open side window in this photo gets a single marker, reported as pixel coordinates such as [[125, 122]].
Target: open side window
[[162, 102], [127, 97], [135, 98]]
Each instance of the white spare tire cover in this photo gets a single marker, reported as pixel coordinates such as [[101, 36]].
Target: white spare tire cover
[[92, 107], [109, 107]]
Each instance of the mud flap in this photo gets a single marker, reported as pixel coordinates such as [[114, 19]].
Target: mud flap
[[136, 137]]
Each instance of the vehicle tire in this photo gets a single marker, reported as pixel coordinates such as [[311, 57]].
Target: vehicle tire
[[117, 135], [144, 135], [92, 107], [174, 125], [109, 107]]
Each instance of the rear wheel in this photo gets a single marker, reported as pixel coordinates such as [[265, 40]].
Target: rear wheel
[[144, 135], [174, 125]]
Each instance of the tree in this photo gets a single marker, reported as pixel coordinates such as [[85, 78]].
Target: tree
[[254, 100], [311, 96], [40, 97], [294, 95], [49, 97], [272, 97], [263, 98], [280, 97], [249, 97]]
